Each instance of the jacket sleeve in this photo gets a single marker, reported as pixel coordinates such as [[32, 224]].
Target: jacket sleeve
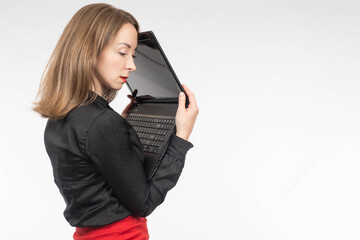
[[117, 153]]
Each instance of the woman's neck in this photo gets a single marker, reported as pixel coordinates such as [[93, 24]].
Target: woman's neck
[[98, 89]]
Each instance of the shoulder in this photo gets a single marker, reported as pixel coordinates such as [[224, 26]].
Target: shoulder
[[109, 120], [95, 113], [108, 127]]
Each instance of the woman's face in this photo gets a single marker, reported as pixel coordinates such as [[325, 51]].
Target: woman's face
[[115, 62]]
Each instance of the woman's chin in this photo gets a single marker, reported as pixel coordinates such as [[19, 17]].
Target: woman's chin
[[117, 86], [120, 86]]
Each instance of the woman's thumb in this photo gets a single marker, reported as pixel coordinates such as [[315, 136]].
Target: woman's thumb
[[182, 100]]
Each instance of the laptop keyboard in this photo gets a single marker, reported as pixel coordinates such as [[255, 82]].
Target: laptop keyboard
[[152, 132]]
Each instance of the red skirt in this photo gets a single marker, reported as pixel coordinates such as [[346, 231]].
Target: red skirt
[[131, 227]]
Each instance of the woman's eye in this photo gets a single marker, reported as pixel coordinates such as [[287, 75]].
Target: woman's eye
[[125, 54]]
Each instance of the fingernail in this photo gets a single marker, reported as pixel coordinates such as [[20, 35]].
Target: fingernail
[[181, 94]]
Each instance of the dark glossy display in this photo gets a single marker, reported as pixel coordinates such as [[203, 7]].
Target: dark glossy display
[[154, 77]]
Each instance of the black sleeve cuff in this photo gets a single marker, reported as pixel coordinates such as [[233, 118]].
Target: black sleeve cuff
[[179, 146]]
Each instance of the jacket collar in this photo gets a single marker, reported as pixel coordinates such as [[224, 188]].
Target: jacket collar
[[99, 99]]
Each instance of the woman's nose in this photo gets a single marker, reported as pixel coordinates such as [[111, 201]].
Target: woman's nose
[[131, 65]]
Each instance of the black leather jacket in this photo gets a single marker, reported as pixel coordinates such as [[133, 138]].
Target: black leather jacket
[[97, 162]]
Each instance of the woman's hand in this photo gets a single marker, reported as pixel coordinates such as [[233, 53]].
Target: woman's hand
[[125, 113], [185, 117]]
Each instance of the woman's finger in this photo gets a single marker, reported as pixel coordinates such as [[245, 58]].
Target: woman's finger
[[131, 98], [182, 100]]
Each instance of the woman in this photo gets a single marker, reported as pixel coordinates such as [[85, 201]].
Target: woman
[[96, 156]]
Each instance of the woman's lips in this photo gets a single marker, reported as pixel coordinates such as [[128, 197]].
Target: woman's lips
[[124, 79]]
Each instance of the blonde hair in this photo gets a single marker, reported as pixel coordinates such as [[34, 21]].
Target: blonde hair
[[69, 75]]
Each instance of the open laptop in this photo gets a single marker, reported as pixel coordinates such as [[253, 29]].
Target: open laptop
[[156, 89]]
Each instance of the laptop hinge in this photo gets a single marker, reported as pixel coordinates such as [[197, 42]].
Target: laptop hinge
[[167, 100]]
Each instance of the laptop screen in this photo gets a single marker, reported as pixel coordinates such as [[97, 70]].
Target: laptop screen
[[154, 77]]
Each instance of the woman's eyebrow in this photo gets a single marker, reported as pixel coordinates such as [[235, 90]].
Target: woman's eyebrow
[[127, 45]]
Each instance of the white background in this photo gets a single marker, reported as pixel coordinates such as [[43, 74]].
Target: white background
[[277, 139]]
